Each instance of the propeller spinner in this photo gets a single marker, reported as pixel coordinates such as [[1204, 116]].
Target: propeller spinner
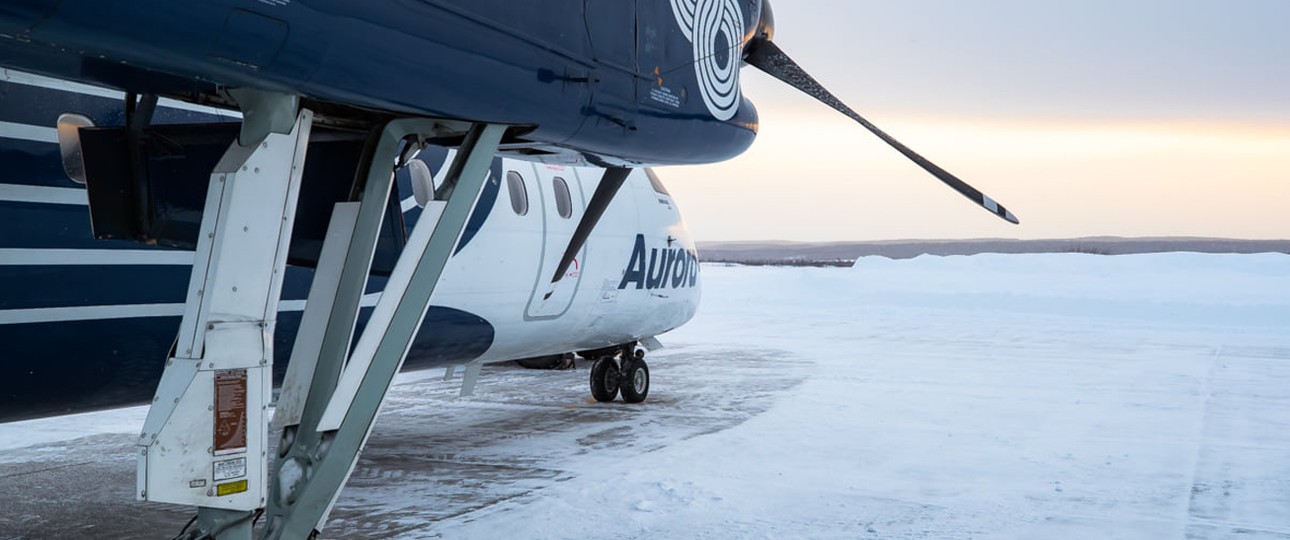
[[763, 54]]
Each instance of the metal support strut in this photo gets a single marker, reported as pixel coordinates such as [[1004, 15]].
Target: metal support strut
[[326, 421], [204, 442]]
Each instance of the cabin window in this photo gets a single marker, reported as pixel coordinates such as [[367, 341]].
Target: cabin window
[[563, 202], [519, 194], [653, 180]]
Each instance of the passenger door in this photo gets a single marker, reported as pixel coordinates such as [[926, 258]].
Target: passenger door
[[562, 206]]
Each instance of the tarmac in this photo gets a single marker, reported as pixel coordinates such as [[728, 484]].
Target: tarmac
[[432, 455]]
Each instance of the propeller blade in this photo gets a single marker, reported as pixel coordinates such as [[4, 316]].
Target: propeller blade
[[609, 184], [768, 57]]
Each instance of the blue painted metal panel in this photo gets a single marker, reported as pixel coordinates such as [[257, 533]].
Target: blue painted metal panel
[[516, 63], [58, 367], [28, 287]]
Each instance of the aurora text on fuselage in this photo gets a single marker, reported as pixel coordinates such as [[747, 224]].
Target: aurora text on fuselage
[[665, 268]]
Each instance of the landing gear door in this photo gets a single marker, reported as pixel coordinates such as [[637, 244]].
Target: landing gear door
[[611, 27], [562, 206]]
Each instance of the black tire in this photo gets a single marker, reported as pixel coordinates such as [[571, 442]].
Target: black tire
[[604, 379], [635, 381]]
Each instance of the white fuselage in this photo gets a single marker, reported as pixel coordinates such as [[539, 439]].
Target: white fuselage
[[504, 273]]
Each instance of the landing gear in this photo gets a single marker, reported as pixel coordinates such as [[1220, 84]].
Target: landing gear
[[609, 376], [604, 379], [554, 362], [635, 379]]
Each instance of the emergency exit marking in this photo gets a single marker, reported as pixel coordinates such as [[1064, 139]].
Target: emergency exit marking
[[230, 411]]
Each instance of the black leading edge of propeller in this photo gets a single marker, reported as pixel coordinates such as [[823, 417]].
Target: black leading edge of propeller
[[612, 179], [763, 54]]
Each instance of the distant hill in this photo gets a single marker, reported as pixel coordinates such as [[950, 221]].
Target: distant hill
[[845, 253]]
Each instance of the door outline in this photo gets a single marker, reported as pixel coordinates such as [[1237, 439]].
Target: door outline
[[546, 192]]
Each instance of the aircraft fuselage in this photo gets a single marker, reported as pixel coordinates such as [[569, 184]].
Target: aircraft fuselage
[[88, 323], [607, 81]]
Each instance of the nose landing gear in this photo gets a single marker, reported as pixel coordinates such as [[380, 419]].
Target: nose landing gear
[[630, 376], [634, 382]]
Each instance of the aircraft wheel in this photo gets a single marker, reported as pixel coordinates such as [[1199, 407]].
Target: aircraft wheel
[[604, 379], [635, 380]]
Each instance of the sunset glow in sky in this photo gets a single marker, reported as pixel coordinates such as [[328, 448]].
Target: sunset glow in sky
[[1163, 118]]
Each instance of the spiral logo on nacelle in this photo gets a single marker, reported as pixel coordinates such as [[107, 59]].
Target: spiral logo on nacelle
[[713, 25]]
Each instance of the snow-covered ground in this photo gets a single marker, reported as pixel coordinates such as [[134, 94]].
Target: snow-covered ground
[[992, 396]]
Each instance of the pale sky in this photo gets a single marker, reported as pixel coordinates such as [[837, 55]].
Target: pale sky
[[1095, 117]]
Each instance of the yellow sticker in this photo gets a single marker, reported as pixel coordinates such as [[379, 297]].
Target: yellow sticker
[[231, 488]]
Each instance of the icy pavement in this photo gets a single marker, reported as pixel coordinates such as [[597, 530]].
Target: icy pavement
[[1032, 396]]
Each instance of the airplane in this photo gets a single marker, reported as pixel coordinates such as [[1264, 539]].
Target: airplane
[[334, 97], [68, 297]]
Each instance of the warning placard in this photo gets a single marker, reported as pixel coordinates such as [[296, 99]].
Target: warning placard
[[240, 486], [230, 411], [229, 469]]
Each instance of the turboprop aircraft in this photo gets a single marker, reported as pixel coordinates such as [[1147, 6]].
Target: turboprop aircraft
[[88, 323], [335, 96]]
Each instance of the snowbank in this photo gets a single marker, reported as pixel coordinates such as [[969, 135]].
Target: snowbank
[[1185, 277]]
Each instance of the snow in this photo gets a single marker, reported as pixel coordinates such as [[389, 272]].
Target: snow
[[36, 433], [991, 396]]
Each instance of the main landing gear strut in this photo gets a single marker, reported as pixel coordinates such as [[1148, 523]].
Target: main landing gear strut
[[624, 372], [205, 442]]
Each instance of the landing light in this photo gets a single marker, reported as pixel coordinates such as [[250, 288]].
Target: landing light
[[422, 182], [69, 144]]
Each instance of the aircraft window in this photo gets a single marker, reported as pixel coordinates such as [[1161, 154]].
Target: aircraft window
[[519, 194], [563, 202], [658, 184]]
